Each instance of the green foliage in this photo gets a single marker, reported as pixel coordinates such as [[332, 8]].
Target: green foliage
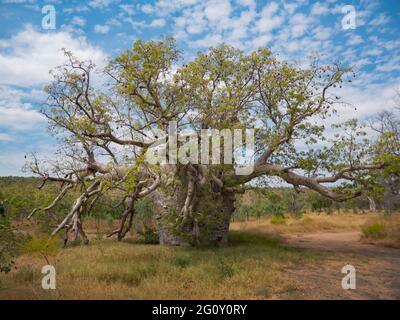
[[148, 232], [144, 221], [181, 260], [10, 243], [144, 210], [26, 274], [225, 268], [318, 202], [374, 230], [218, 89], [42, 245], [278, 219], [276, 209]]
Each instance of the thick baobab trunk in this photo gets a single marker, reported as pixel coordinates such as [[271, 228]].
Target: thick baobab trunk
[[207, 222]]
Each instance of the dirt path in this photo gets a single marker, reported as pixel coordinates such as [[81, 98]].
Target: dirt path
[[377, 268]]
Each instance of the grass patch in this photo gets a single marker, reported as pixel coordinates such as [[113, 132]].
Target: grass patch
[[181, 261], [375, 230], [132, 278], [109, 269], [308, 223], [278, 219], [383, 230], [26, 275]]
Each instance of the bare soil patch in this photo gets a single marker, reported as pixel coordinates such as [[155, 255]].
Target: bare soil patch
[[377, 268]]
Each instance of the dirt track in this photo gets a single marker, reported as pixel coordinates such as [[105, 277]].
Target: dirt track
[[377, 268]]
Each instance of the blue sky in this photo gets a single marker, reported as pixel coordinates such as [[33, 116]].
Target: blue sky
[[100, 29]]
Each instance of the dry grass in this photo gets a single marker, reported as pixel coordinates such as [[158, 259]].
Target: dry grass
[[308, 223], [382, 230], [251, 267]]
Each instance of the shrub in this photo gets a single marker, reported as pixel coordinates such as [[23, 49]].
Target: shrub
[[182, 261], [225, 268], [43, 246], [375, 230], [148, 231], [10, 243], [278, 219], [26, 275]]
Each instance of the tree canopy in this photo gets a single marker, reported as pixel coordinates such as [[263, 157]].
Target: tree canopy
[[107, 130]]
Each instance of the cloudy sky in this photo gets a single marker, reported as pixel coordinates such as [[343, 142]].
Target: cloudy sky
[[100, 29]]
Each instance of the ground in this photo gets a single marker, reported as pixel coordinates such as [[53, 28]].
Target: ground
[[377, 269], [301, 259]]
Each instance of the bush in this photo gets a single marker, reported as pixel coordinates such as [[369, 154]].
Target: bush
[[181, 261], [144, 221], [10, 243], [375, 230], [148, 231], [278, 219], [26, 275], [43, 246]]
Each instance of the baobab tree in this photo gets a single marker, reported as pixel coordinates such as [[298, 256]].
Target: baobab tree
[[385, 184], [107, 132]]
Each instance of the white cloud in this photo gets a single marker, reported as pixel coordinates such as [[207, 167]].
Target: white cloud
[[269, 19], [19, 116], [193, 20], [322, 33], [98, 28], [208, 41], [290, 7], [390, 66], [369, 99], [299, 24], [355, 39], [24, 62], [79, 21], [318, 9], [100, 3], [18, 1], [129, 9], [11, 164], [379, 20], [157, 23], [247, 3], [241, 25], [147, 8], [77, 9], [261, 41], [5, 137], [372, 52], [218, 10], [16, 114]]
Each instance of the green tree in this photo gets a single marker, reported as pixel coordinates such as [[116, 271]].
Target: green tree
[[106, 134]]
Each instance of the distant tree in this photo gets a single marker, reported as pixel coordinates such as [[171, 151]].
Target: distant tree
[[294, 202], [318, 203], [384, 185], [9, 244]]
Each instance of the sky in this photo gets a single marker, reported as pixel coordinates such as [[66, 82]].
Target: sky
[[102, 29]]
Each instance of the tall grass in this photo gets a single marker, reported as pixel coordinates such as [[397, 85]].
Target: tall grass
[[384, 230], [252, 266]]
